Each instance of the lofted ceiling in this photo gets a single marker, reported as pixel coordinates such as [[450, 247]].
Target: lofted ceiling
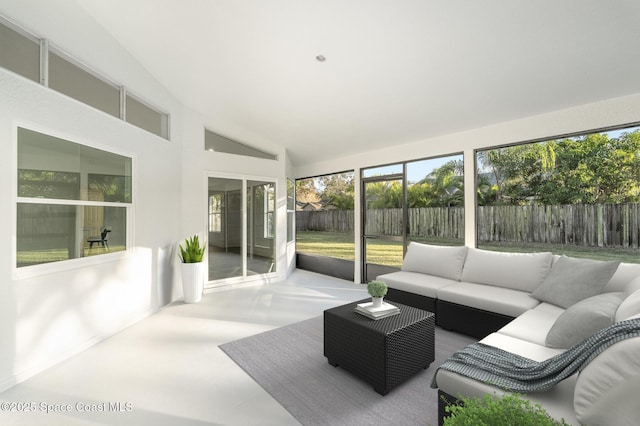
[[395, 71]]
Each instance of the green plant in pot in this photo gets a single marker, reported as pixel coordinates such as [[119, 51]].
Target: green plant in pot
[[191, 252], [192, 269], [492, 410], [377, 290]]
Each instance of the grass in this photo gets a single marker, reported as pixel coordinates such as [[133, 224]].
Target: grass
[[382, 252], [36, 257]]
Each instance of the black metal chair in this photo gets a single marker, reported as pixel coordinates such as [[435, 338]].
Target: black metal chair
[[101, 239]]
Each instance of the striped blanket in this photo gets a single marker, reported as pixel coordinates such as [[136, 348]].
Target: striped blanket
[[515, 373]]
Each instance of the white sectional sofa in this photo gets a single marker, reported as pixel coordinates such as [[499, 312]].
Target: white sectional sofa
[[536, 305]]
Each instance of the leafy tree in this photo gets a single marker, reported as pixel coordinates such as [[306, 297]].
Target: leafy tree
[[587, 170], [519, 170], [384, 195], [306, 191], [595, 169], [338, 190]]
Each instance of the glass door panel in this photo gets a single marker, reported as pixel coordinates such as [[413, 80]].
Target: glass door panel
[[261, 223], [225, 228], [383, 225]]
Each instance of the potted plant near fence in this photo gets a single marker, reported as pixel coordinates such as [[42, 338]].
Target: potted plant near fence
[[192, 269], [377, 290]]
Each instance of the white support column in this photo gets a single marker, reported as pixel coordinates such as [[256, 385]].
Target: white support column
[[469, 198], [357, 220]]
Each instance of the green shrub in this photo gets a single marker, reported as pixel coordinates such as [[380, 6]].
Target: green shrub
[[377, 288], [191, 252], [508, 410]]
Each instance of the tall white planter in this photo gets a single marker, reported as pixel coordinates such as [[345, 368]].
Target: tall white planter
[[192, 281]]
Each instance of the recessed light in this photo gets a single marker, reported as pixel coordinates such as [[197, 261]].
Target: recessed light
[[321, 58]]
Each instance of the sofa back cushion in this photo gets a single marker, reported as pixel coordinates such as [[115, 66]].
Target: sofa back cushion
[[607, 388], [441, 261], [519, 271]]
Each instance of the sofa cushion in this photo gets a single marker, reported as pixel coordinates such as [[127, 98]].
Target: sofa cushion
[[441, 261], [632, 286], [519, 271], [626, 272], [557, 401], [629, 307], [500, 300], [583, 319], [571, 280], [534, 325], [608, 386], [414, 282]]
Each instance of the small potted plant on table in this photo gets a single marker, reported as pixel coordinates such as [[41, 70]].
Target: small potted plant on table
[[377, 290], [192, 269]]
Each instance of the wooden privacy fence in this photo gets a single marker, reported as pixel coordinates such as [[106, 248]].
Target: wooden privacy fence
[[325, 220], [586, 225], [614, 225], [423, 222]]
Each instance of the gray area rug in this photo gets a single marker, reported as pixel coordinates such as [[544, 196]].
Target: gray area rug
[[289, 364]]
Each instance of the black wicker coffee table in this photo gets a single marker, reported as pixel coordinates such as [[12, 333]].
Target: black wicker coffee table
[[383, 352]]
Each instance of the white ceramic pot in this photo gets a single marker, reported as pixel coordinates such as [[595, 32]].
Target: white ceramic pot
[[192, 281], [377, 302]]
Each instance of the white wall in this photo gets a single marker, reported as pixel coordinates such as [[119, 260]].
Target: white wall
[[47, 317], [197, 163]]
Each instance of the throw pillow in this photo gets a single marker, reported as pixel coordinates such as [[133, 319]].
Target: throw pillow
[[441, 261], [572, 280], [583, 319]]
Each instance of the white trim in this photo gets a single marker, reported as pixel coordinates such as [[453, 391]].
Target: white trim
[[44, 62], [13, 25]]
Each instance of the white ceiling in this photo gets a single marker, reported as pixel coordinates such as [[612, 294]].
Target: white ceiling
[[395, 71]]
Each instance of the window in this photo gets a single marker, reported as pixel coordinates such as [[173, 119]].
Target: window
[[219, 143], [269, 199], [325, 216], [435, 200], [291, 209], [20, 52], [33, 58], [146, 117], [577, 195], [73, 200], [68, 77], [215, 212]]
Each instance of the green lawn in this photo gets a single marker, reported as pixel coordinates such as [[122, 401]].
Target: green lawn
[[381, 252], [36, 257]]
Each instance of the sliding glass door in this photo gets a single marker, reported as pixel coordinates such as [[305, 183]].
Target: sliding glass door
[[240, 227]]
